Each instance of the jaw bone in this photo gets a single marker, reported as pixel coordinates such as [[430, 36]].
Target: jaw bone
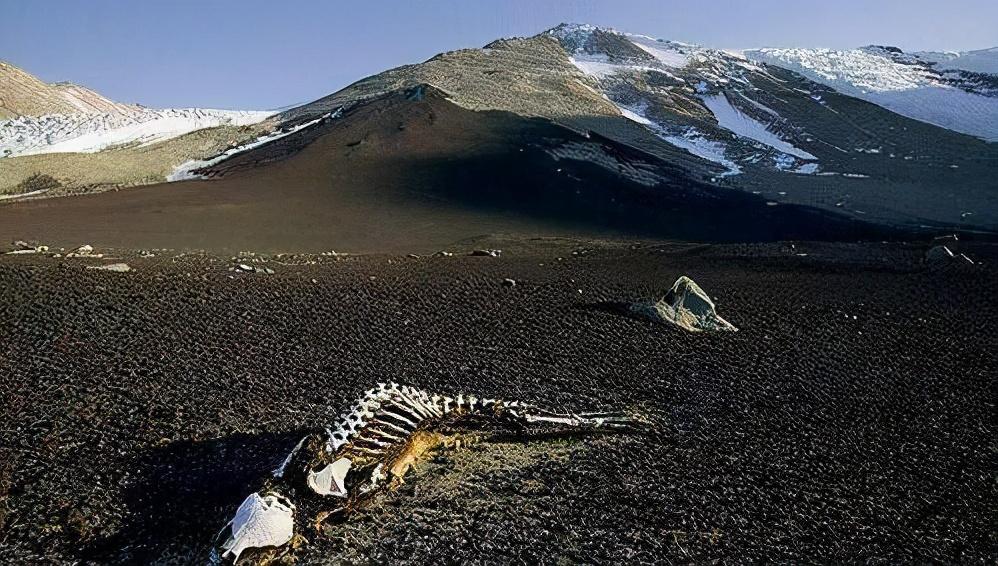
[[260, 522]]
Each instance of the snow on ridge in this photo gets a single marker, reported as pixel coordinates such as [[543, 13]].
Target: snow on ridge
[[600, 67], [896, 81], [730, 118], [573, 36], [93, 132], [669, 53]]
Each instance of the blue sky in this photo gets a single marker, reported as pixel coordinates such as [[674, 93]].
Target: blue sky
[[256, 54]]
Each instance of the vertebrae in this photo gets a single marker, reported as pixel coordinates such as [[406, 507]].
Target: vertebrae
[[389, 413]]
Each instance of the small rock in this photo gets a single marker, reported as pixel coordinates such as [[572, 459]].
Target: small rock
[[509, 282], [115, 267], [244, 267], [487, 252], [442, 254]]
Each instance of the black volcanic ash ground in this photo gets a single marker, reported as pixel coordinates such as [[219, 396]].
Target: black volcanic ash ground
[[850, 418]]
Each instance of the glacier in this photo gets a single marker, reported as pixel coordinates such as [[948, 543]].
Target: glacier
[[899, 82]]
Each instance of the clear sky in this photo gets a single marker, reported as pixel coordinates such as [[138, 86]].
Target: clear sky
[[267, 54]]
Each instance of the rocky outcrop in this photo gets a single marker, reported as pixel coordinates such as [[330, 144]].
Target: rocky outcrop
[[687, 306]]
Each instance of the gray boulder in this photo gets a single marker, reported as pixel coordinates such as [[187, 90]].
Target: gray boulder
[[687, 306]]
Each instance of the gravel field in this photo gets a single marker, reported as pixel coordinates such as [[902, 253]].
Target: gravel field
[[851, 418]]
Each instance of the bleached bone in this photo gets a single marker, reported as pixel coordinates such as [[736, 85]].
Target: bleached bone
[[260, 522], [331, 480], [369, 445]]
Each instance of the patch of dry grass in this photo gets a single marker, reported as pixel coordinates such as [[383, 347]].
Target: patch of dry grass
[[122, 166]]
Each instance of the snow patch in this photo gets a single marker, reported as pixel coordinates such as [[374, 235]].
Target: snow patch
[[598, 66], [732, 119], [634, 116], [690, 139], [693, 141]]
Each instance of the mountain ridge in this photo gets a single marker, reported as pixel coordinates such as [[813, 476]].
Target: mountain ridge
[[718, 115], [23, 94]]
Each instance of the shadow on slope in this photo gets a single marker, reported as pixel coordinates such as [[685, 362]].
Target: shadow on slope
[[412, 172]]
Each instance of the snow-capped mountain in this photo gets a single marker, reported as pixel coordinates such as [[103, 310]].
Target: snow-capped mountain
[[872, 135], [59, 118], [732, 119], [93, 132], [934, 88], [694, 98]]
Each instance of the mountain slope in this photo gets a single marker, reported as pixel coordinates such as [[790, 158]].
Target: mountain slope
[[777, 133], [22, 94], [712, 118]]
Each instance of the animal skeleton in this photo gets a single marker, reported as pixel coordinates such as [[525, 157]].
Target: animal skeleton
[[371, 450]]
